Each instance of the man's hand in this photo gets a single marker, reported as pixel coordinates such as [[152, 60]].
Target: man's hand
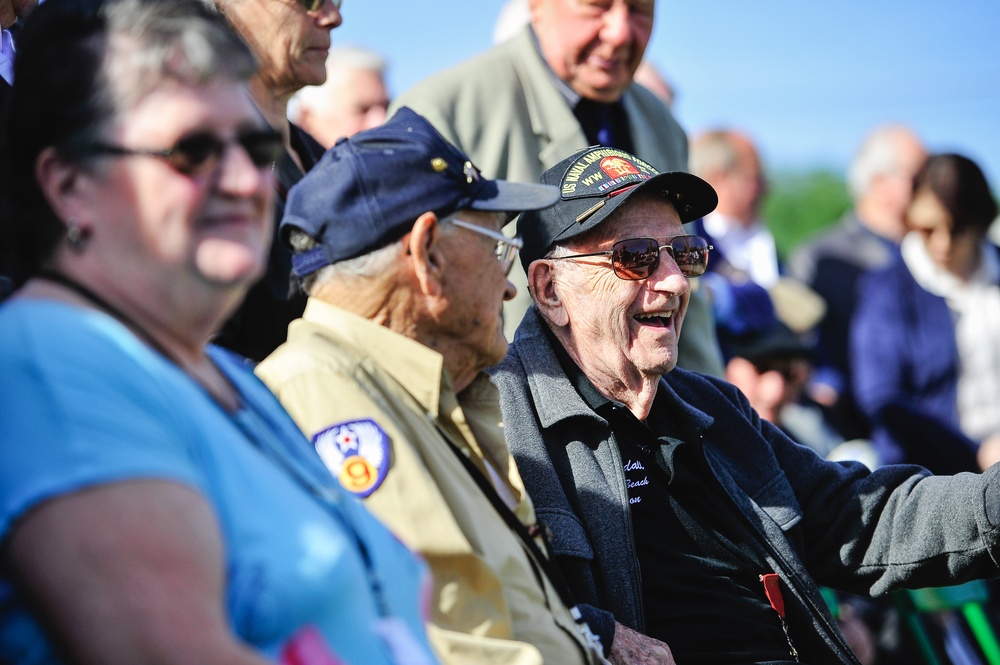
[[632, 648]]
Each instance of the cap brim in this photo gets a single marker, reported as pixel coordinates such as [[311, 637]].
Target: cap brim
[[517, 197], [690, 196]]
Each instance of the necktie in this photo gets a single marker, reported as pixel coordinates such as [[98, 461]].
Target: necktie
[[604, 124], [605, 131]]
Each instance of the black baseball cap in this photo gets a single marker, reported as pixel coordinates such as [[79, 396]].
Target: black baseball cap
[[367, 190], [595, 182]]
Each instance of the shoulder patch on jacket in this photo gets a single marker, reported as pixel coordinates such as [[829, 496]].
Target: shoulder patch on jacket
[[356, 452]]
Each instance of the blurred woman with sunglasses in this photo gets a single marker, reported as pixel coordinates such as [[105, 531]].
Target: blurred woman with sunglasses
[[156, 504], [925, 342]]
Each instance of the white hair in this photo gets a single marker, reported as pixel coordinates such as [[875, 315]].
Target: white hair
[[341, 59], [878, 155], [713, 151], [375, 262], [514, 15]]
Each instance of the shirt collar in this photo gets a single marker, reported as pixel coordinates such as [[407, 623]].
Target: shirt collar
[[592, 397], [417, 368]]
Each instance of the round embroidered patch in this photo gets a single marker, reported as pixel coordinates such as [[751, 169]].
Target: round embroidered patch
[[356, 452]]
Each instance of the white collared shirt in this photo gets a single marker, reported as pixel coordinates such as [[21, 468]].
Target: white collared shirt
[[748, 248]]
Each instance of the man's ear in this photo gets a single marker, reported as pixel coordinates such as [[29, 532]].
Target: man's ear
[[424, 248], [59, 181], [543, 288]]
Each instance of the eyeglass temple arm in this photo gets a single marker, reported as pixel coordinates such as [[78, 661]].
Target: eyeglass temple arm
[[607, 252]]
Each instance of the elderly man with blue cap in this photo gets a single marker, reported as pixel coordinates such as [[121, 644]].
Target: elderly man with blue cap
[[396, 240]]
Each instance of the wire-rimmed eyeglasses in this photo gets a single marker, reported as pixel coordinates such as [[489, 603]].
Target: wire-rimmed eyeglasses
[[506, 249]]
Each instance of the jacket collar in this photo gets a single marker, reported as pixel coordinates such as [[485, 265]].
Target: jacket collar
[[556, 399]]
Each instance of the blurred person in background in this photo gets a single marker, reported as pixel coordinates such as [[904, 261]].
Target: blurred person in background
[[290, 39], [880, 179], [562, 83], [925, 340], [354, 97], [728, 160], [157, 505], [772, 367], [749, 292]]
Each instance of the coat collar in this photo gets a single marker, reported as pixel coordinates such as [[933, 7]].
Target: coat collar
[[556, 399]]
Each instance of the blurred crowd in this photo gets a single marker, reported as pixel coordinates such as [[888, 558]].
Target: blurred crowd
[[298, 371]]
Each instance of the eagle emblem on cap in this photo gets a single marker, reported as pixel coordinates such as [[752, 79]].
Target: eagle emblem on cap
[[357, 453], [617, 167]]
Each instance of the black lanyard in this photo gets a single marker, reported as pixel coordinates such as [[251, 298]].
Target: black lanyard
[[517, 526]]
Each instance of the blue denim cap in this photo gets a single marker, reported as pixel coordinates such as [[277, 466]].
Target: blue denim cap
[[593, 183], [368, 190]]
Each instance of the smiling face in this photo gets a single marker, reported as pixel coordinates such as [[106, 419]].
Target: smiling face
[[595, 46], [618, 331]]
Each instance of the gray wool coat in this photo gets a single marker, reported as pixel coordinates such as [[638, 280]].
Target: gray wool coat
[[816, 522]]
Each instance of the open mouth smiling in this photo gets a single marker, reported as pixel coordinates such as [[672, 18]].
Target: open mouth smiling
[[661, 319]]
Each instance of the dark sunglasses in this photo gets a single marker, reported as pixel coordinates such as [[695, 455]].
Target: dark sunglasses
[[199, 152], [314, 5], [637, 258]]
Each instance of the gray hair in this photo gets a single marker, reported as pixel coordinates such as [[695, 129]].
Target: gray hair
[[374, 263], [79, 66], [342, 58], [713, 151], [878, 155]]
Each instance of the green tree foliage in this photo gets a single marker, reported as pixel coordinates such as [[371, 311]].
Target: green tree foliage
[[799, 205]]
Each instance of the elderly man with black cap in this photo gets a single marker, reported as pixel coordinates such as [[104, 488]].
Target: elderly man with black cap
[[397, 242], [669, 503]]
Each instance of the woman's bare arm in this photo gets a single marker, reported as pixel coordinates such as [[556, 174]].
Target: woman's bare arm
[[128, 573]]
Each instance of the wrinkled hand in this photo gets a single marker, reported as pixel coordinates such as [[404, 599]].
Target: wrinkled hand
[[632, 648]]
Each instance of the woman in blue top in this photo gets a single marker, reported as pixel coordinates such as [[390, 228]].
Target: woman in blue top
[[156, 504]]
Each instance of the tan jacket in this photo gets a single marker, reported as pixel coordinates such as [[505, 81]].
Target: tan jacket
[[488, 607], [503, 109]]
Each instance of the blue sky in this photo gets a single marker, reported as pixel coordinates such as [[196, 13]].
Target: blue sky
[[806, 79]]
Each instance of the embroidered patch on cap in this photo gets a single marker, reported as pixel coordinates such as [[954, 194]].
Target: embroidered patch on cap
[[357, 453], [603, 172]]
